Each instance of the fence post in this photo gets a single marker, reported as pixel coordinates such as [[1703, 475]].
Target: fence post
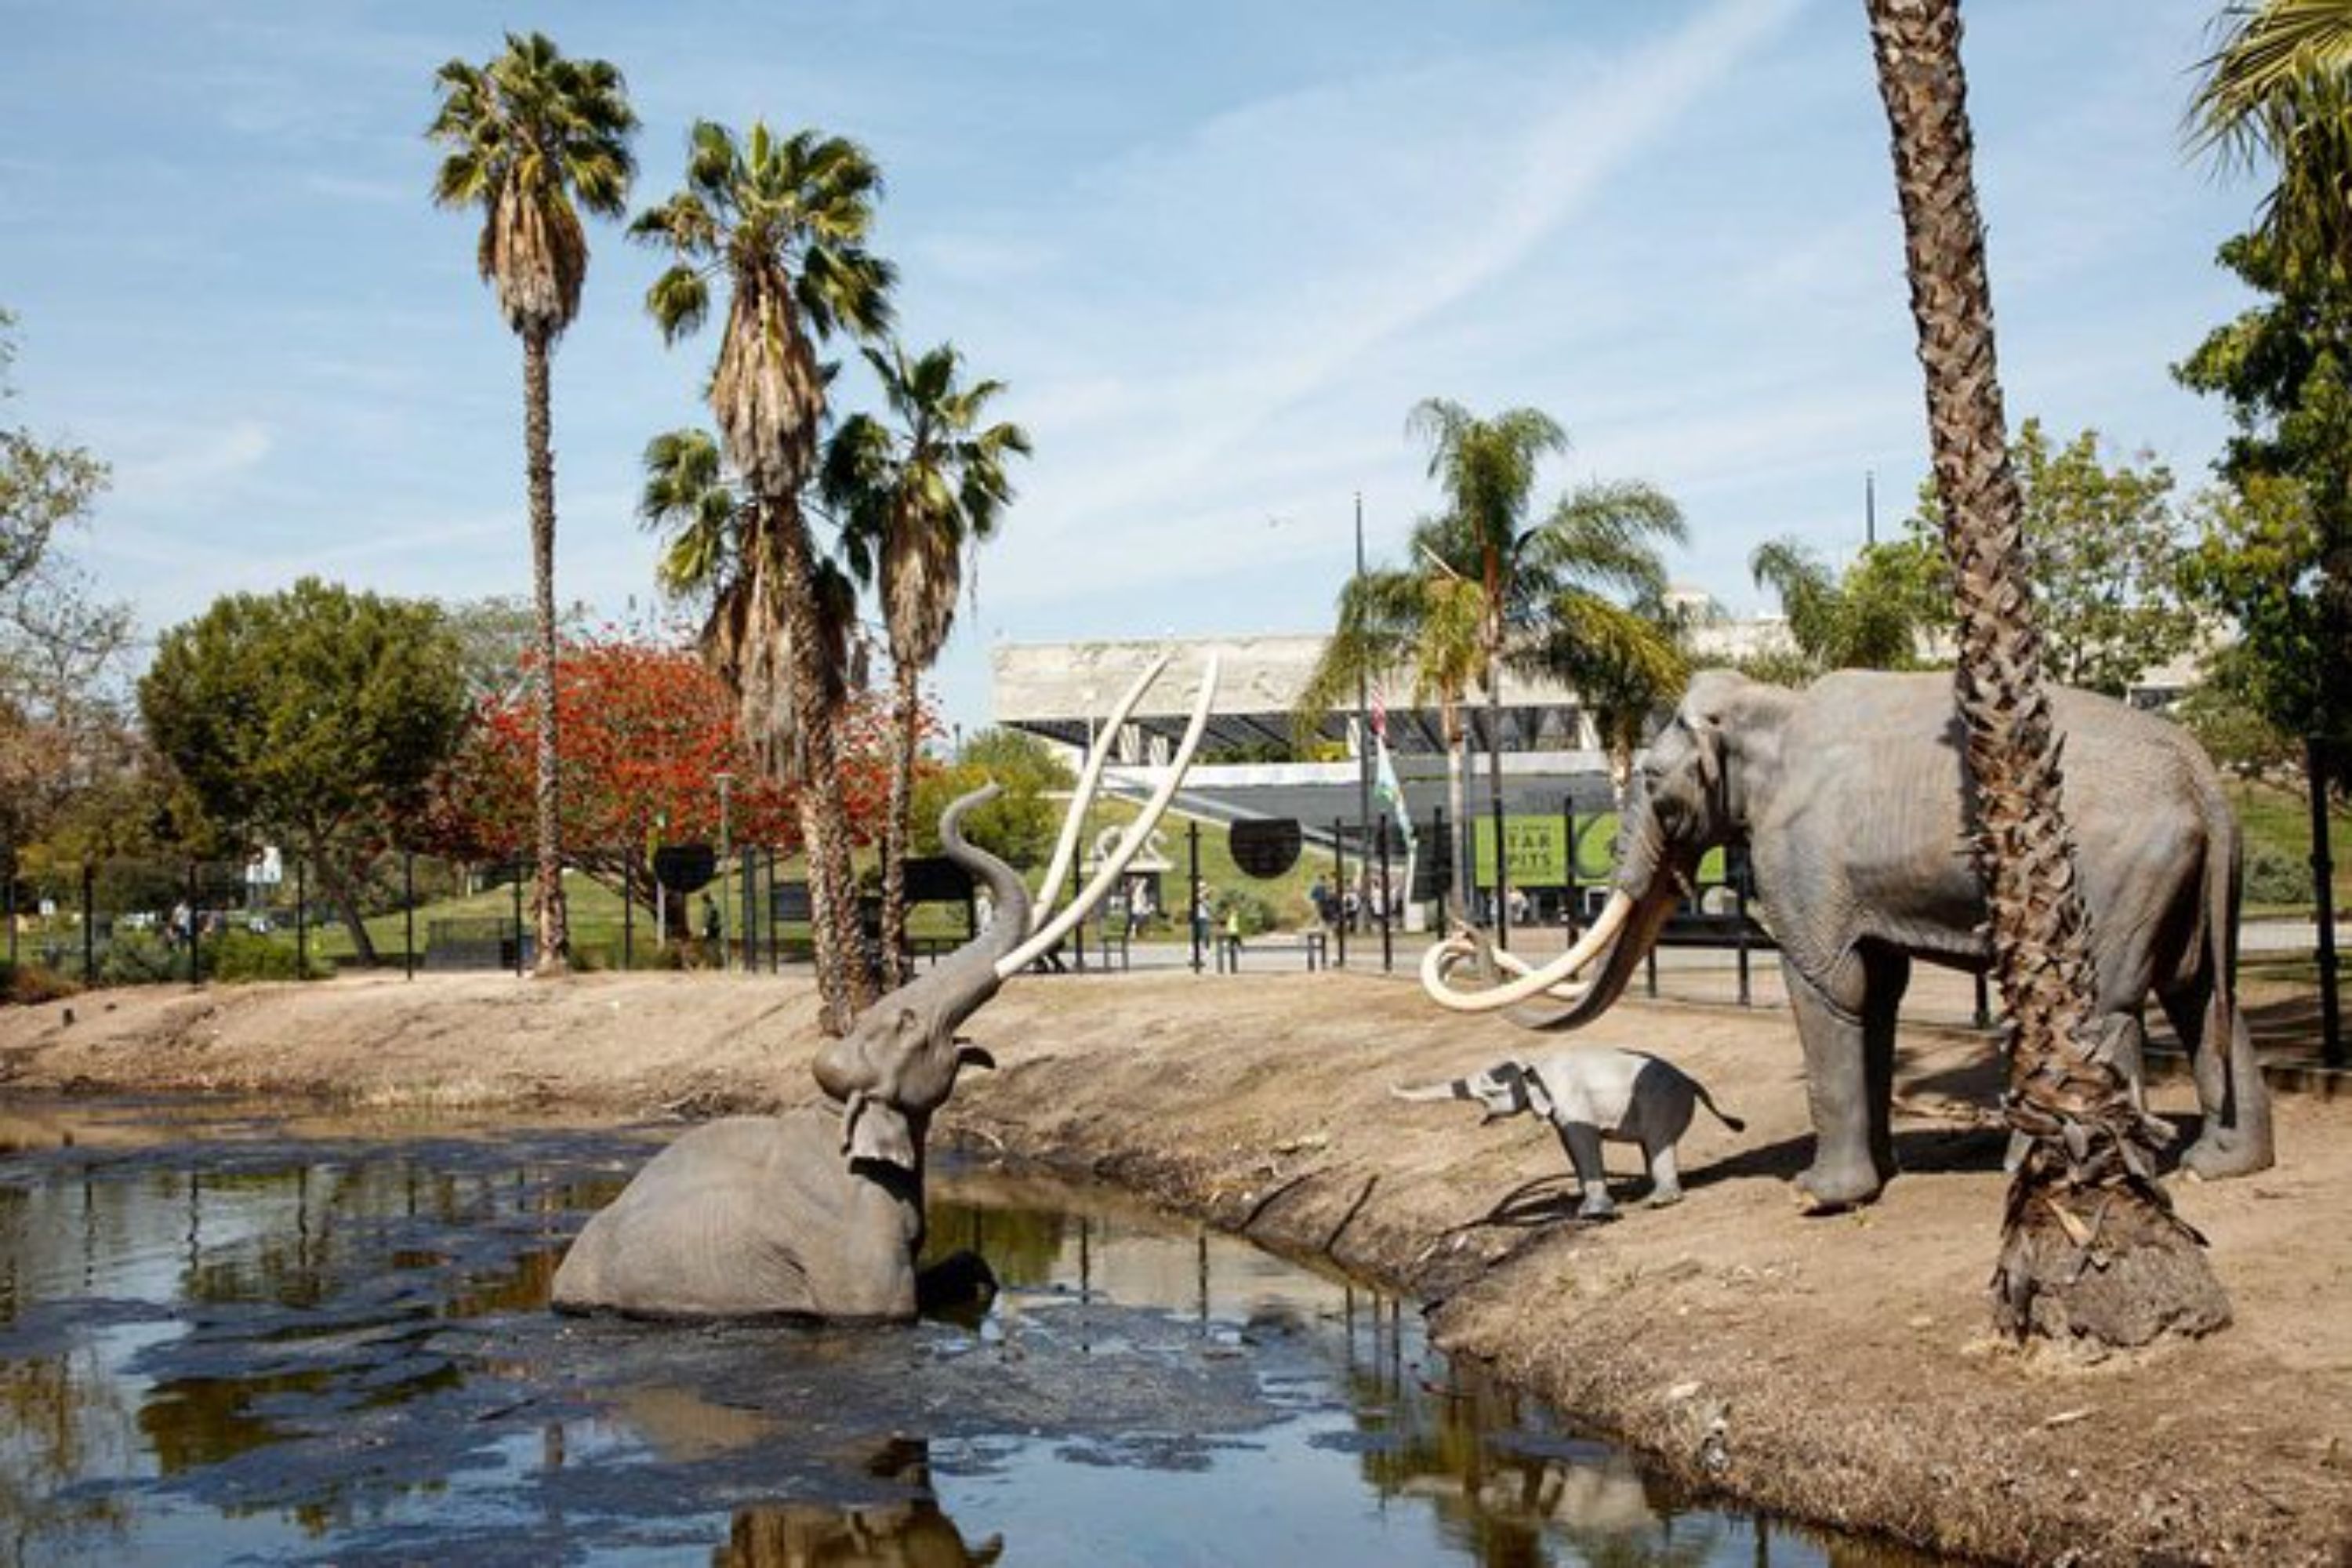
[[1568, 893], [8, 895], [1194, 918], [1078, 930], [1451, 862], [1984, 1002], [1502, 883], [408, 913], [196, 921], [1339, 885], [775, 939], [2323, 887], [88, 924], [629, 908], [520, 967], [1388, 897], [301, 921]]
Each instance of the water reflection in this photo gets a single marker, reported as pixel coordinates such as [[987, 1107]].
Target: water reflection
[[272, 1339], [908, 1532]]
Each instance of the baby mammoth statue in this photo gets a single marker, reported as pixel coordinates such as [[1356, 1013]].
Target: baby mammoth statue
[[1590, 1095]]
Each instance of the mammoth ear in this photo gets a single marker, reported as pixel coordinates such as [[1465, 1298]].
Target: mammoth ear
[[972, 1055], [877, 1130], [1706, 743], [1537, 1092]]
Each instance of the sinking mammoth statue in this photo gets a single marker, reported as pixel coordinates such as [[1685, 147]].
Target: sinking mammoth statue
[[1852, 799], [818, 1213]]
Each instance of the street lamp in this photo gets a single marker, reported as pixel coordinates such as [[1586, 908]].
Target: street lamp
[[726, 854]]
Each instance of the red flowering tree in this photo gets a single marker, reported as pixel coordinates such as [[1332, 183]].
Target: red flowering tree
[[645, 728]]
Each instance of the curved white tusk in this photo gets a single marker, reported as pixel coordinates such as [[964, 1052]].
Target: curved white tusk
[[1535, 983], [1454, 957], [1426, 1091], [1107, 875], [1090, 780]]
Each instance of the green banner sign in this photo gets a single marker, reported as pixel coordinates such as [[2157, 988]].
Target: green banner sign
[[1538, 846]]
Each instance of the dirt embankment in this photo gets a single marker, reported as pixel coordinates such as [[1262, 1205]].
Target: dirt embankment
[[1837, 1369]]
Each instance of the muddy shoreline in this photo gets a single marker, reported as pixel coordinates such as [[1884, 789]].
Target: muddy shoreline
[[1838, 1370]]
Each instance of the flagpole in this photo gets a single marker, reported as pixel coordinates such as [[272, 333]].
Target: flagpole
[[1363, 711]]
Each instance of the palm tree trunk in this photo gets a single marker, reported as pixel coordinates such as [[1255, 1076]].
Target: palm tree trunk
[[897, 837], [554, 927], [845, 983], [2090, 1245]]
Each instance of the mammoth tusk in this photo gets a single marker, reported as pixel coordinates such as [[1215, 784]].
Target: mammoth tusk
[[1082, 797], [1108, 874], [1440, 959], [1450, 1089]]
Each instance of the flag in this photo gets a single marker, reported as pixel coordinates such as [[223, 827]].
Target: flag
[[1386, 787]]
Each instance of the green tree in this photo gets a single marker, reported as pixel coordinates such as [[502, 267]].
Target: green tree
[[1869, 617], [311, 718], [783, 220], [2274, 545], [911, 500], [534, 138], [2090, 1245], [1625, 663], [59, 733], [2107, 552], [1019, 824]]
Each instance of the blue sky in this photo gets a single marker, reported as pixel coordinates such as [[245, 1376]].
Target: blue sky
[[1217, 248]]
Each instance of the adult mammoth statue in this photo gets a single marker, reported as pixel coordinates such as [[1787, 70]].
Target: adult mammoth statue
[[818, 1213], [1852, 800]]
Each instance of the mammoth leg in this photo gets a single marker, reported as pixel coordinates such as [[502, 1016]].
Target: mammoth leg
[[1887, 976], [2236, 1103], [1583, 1141], [1666, 1181], [1838, 1091]]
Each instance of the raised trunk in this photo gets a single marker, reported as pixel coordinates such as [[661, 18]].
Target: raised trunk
[[554, 927], [2090, 1245], [895, 835], [843, 982]]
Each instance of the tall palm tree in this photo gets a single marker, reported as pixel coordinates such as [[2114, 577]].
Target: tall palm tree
[[783, 221], [911, 500], [1626, 663], [1487, 469], [2090, 1244], [533, 140]]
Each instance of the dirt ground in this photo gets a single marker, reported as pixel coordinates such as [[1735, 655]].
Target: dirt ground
[[1838, 1369]]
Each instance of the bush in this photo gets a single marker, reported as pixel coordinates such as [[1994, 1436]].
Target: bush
[[236, 957], [28, 985], [2274, 876], [135, 957], [1255, 913]]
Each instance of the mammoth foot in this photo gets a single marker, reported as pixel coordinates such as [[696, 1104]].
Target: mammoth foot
[[1827, 1188], [961, 1280], [1596, 1206], [2223, 1152]]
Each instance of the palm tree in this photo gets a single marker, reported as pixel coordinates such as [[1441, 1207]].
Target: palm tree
[[783, 221], [2090, 1245], [1537, 584], [533, 138], [1422, 624], [910, 501], [1869, 617], [1487, 469], [1625, 663]]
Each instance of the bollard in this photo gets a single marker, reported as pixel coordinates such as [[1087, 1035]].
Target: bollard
[[1340, 886], [1195, 916]]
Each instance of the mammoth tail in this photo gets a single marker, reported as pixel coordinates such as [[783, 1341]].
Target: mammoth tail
[[1720, 1114]]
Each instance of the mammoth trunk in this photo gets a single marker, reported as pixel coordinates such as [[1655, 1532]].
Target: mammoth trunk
[[1633, 946]]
